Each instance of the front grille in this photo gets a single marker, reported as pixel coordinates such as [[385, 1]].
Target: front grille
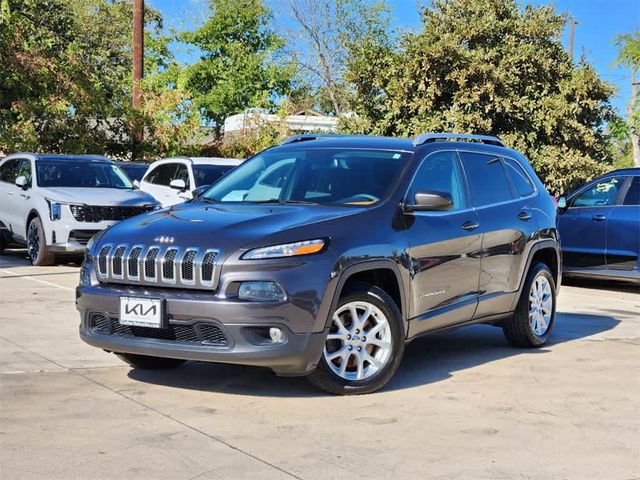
[[198, 332], [96, 213], [81, 236], [157, 266]]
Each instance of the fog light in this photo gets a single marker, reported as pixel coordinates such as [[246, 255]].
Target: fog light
[[275, 334], [261, 292]]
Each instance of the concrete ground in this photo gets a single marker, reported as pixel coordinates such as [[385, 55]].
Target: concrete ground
[[463, 405]]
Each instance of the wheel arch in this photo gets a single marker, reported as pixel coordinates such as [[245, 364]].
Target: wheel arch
[[381, 273], [547, 252]]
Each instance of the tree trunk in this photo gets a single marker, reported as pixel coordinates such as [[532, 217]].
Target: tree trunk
[[633, 127]]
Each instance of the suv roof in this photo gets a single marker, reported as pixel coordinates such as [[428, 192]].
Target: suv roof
[[74, 158], [394, 143]]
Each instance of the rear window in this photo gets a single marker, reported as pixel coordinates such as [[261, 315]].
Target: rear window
[[487, 178], [519, 178], [633, 194]]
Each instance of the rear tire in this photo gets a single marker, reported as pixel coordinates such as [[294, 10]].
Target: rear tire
[[351, 363], [531, 325], [39, 254], [146, 362]]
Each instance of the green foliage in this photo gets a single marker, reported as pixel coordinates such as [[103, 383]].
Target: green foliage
[[489, 67], [65, 67], [239, 65]]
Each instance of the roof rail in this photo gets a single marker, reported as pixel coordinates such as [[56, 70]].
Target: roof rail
[[434, 137], [311, 136]]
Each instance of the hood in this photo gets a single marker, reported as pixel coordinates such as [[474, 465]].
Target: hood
[[227, 228], [98, 196]]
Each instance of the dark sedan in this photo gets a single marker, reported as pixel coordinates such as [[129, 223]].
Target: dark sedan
[[134, 170], [600, 227]]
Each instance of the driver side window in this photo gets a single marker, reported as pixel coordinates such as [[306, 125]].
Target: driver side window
[[441, 172], [602, 193]]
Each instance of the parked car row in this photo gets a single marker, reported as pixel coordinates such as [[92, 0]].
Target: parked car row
[[321, 257], [54, 204]]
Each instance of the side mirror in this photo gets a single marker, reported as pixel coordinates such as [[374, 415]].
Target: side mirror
[[22, 182], [200, 190], [562, 203], [178, 184], [430, 200], [136, 184]]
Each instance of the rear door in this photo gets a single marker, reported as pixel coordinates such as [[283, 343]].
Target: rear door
[[506, 223], [623, 228], [583, 226], [444, 248]]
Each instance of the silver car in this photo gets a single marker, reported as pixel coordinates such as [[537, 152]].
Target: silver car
[[54, 204]]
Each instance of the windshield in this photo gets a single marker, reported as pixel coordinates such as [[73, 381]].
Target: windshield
[[209, 174], [134, 172], [59, 173], [325, 176]]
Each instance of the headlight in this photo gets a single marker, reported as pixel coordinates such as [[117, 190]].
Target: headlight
[[55, 210], [261, 292], [295, 249]]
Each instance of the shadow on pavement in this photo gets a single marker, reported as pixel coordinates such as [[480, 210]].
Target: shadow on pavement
[[12, 258], [427, 360], [601, 284]]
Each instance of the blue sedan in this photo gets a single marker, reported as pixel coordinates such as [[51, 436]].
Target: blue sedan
[[600, 227]]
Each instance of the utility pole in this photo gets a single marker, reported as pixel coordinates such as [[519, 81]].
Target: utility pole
[[572, 29], [138, 50], [138, 68]]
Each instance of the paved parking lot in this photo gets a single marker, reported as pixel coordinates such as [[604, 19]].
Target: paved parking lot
[[463, 404]]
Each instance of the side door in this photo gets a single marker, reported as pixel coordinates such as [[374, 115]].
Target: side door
[[583, 225], [444, 248], [507, 224], [623, 229], [182, 173], [23, 198], [156, 182], [10, 196]]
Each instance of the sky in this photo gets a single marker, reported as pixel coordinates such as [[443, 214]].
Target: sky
[[599, 22]]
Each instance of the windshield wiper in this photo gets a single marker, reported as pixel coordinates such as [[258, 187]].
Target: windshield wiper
[[285, 202]]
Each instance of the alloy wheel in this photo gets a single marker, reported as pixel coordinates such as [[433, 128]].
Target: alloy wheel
[[33, 241], [540, 305], [359, 342]]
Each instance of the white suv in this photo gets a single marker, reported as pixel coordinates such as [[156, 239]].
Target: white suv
[[173, 180], [56, 203]]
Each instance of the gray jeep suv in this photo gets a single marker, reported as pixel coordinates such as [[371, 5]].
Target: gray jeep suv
[[325, 255]]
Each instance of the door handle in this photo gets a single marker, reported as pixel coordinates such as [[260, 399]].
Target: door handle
[[470, 226], [598, 218], [524, 216]]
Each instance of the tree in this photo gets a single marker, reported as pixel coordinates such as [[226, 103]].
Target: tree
[[629, 56], [240, 65], [490, 67], [65, 70], [320, 42]]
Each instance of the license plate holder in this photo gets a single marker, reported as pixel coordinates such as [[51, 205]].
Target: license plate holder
[[142, 312]]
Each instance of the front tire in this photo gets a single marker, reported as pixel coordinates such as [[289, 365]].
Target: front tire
[[39, 254], [364, 345], [535, 314], [146, 362]]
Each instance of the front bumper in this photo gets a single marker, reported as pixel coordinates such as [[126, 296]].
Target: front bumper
[[297, 355]]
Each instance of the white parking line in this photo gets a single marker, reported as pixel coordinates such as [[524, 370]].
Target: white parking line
[[43, 282]]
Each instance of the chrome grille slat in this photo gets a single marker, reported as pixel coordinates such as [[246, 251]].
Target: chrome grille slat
[[157, 265], [169, 266], [116, 262]]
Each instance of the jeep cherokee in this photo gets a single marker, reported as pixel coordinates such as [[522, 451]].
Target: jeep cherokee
[[323, 256]]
